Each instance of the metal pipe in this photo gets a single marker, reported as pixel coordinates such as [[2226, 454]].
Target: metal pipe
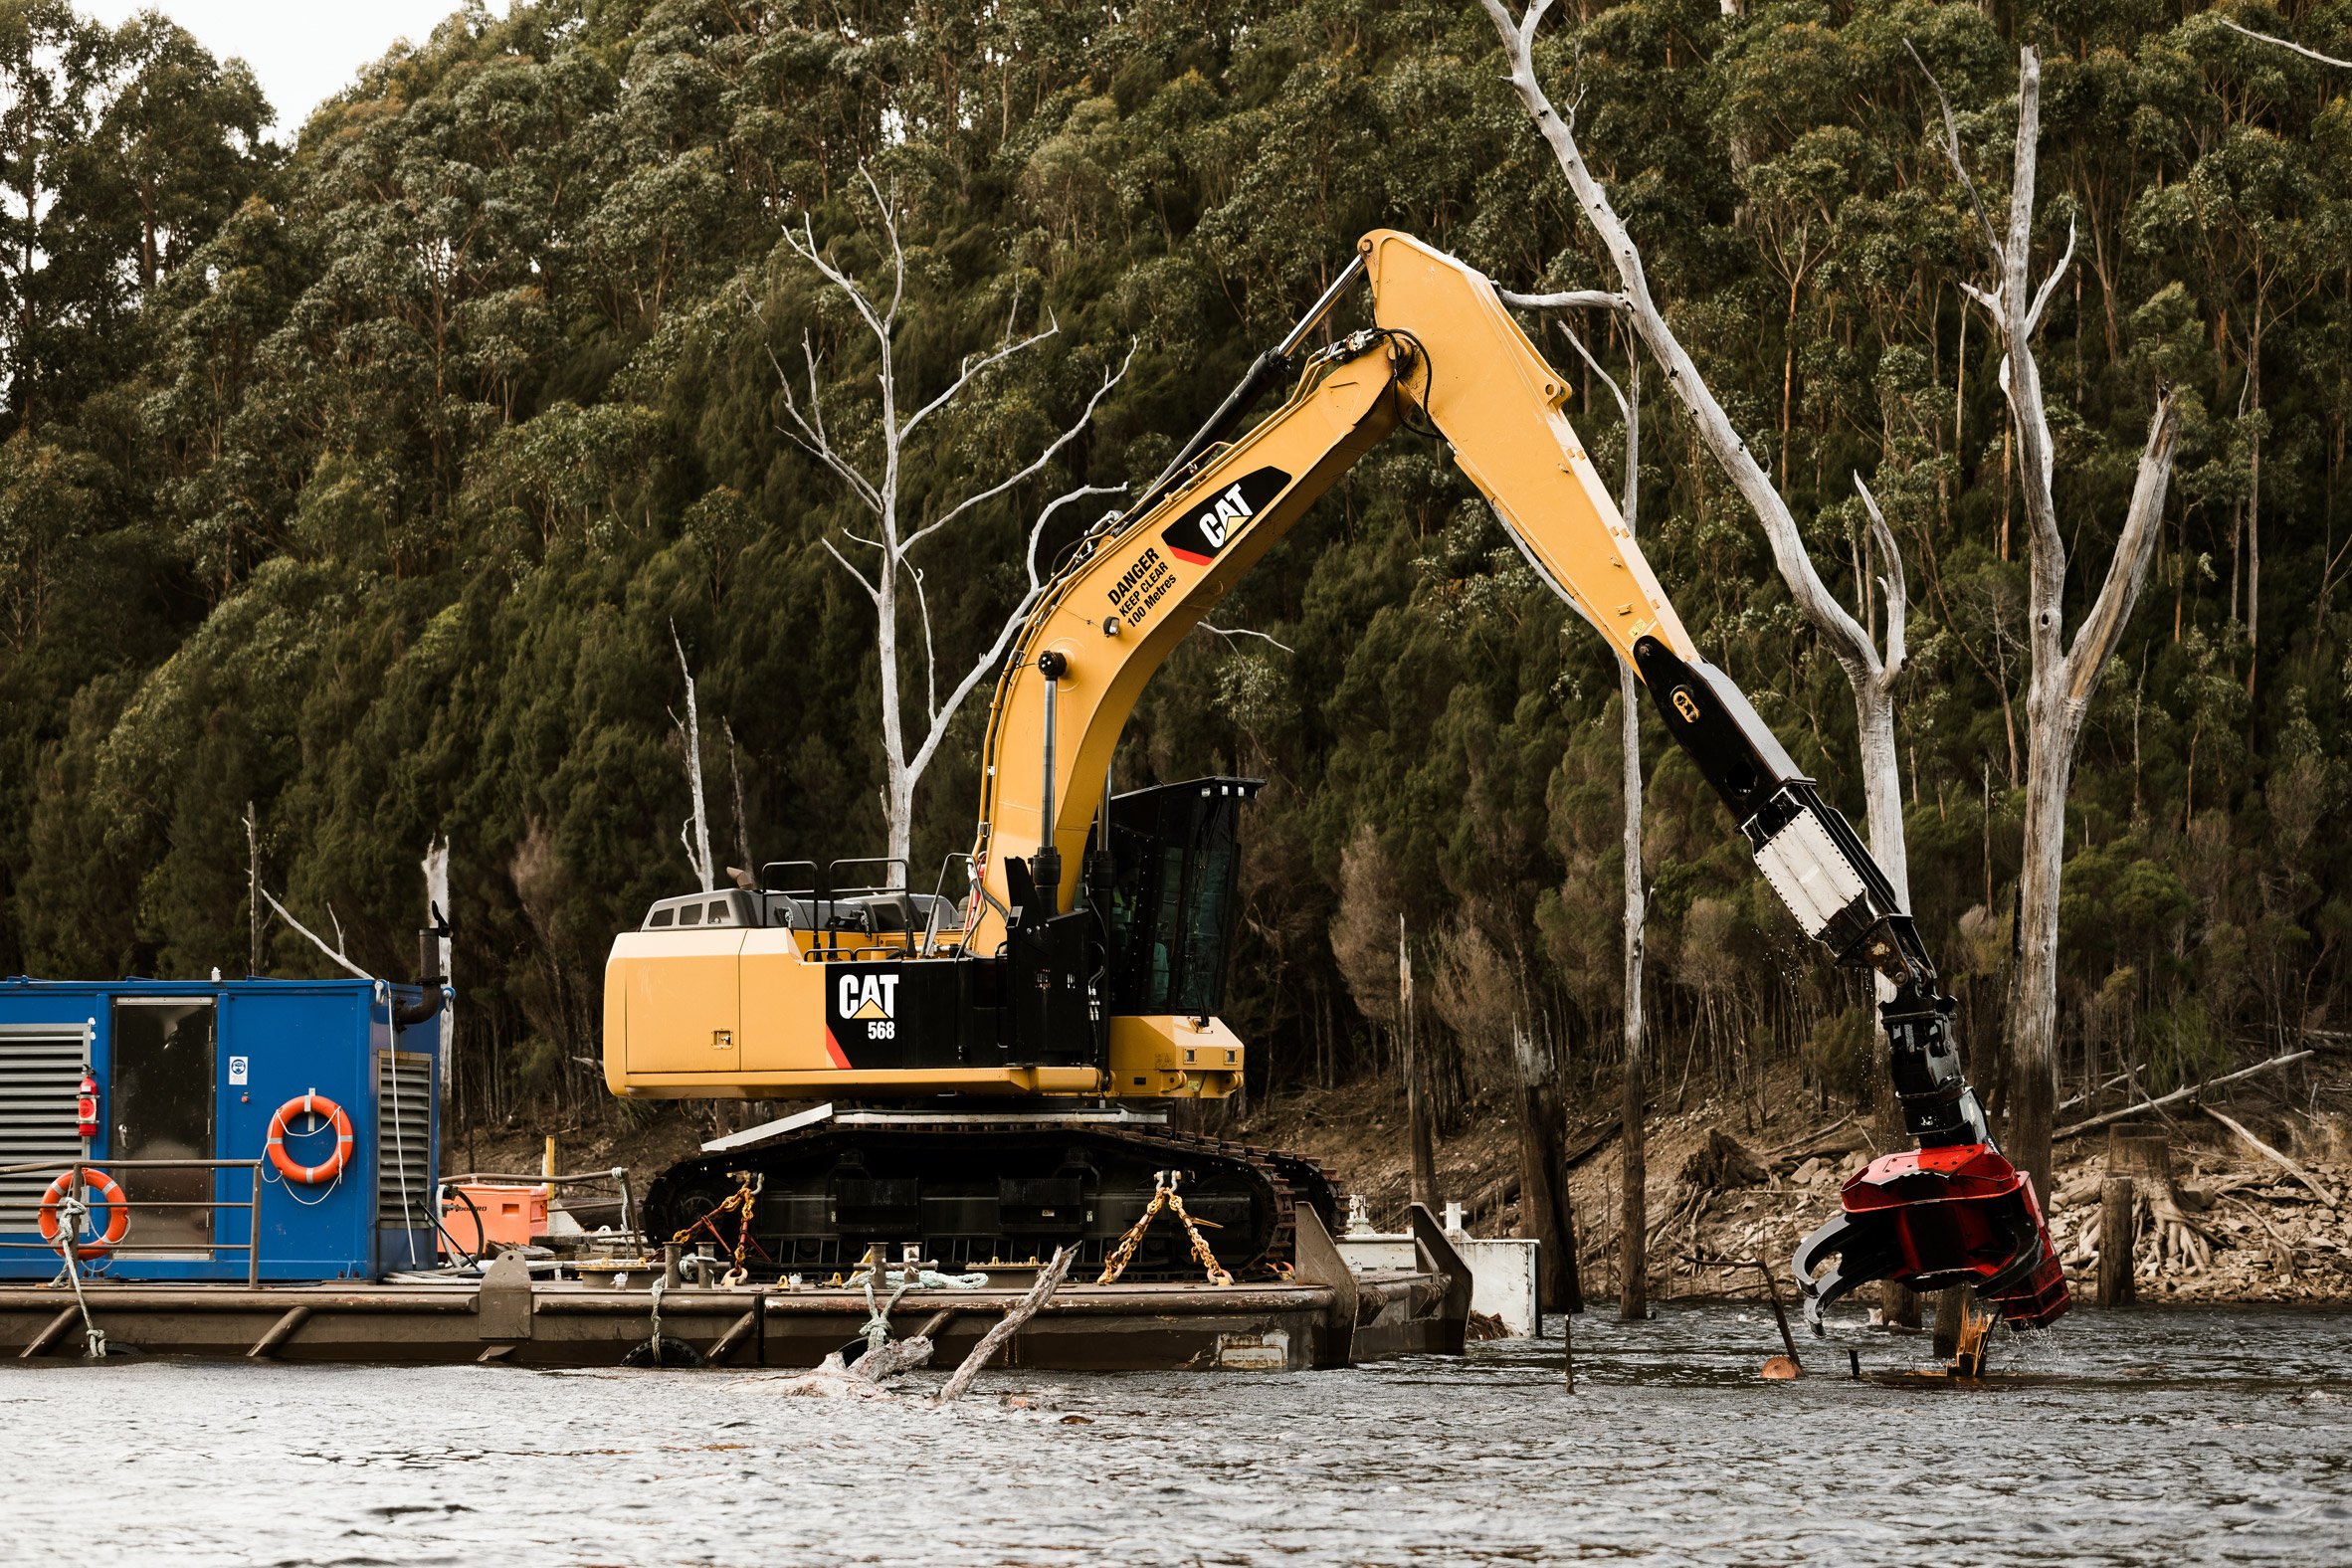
[[1323, 307], [1271, 363], [35, 1166], [534, 1181], [1045, 865]]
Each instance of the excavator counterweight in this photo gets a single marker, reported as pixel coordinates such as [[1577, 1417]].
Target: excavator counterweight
[[1081, 962]]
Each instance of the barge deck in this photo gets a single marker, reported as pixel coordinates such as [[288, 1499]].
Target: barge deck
[[1327, 1316]]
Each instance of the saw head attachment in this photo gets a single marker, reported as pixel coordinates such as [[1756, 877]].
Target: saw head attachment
[[1929, 1218]]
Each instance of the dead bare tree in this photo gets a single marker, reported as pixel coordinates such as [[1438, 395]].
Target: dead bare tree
[[894, 577], [694, 832], [1871, 670], [2064, 674]]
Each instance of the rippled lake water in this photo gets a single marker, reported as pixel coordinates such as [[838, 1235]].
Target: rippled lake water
[[2153, 1438]]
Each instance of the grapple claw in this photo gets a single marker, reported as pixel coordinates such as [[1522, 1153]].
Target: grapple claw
[[1938, 1217]]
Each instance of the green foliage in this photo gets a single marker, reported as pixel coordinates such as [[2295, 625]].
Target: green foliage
[[365, 479]]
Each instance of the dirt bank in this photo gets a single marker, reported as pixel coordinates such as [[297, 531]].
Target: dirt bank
[[2245, 1230]]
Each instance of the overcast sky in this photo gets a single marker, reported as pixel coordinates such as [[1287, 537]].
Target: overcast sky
[[301, 50]]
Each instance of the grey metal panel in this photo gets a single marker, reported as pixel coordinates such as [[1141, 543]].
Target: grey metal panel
[[404, 1138], [41, 1067]]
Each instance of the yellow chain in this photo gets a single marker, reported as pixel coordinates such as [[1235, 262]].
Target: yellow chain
[[1200, 1248], [1163, 1196], [741, 1200]]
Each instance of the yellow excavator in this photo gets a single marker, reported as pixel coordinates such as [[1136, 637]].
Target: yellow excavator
[[995, 1057]]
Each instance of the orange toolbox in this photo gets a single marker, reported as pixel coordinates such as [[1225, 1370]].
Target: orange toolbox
[[510, 1214]]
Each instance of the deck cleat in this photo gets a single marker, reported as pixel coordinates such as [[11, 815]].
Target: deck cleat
[[1932, 1217]]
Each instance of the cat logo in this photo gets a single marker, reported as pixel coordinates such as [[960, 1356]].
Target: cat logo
[[1203, 531], [1686, 704], [867, 998], [862, 1008]]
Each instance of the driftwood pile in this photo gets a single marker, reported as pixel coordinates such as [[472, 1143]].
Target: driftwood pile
[[2278, 1230], [879, 1374]]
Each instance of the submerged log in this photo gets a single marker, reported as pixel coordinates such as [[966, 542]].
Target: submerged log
[[1049, 1281], [2118, 1203]]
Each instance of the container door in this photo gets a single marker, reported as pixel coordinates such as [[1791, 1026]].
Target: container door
[[161, 1108]]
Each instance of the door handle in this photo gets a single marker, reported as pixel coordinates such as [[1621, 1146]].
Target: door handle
[[723, 1040]]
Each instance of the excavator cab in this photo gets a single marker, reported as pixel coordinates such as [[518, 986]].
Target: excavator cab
[[1175, 852]]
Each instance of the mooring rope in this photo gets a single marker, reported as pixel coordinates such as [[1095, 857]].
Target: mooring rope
[[72, 1210]]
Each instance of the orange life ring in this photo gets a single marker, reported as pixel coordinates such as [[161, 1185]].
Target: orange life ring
[[315, 1104], [108, 1192]]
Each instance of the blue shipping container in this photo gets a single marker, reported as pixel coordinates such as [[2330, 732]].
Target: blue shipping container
[[190, 1070]]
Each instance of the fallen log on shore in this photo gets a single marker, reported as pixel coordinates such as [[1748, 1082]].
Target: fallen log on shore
[[2175, 1098]]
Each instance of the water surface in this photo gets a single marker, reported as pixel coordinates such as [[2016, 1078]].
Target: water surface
[[2154, 1438]]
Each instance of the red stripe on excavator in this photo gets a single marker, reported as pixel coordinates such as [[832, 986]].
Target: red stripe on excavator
[[1184, 554], [832, 1050]]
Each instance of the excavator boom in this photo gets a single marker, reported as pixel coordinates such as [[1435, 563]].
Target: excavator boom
[[1085, 952]]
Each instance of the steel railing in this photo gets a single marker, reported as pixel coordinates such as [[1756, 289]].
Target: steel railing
[[251, 1245]]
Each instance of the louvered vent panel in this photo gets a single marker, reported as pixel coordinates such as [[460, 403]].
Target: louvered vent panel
[[39, 1075], [404, 1140]]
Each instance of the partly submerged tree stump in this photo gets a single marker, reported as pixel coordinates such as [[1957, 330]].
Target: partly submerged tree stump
[[2119, 1203]]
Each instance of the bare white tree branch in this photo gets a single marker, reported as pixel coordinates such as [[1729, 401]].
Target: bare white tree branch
[[1892, 585], [333, 953], [995, 656], [973, 365], [2050, 284], [811, 437], [1976, 201], [887, 585], [1243, 631], [689, 731], [2283, 43], [871, 592], [1110, 379], [1572, 299]]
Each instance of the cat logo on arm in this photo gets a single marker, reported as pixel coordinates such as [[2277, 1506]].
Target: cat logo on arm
[[1203, 531]]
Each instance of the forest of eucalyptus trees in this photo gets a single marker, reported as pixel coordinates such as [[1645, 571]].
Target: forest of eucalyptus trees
[[392, 479]]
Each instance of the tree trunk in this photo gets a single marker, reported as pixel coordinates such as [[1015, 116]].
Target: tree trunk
[[1420, 1137], [1632, 1287], [697, 833], [1418, 1130], [1543, 1182], [897, 784], [2033, 1018]]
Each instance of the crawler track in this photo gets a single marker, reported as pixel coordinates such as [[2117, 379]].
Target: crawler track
[[970, 1192]]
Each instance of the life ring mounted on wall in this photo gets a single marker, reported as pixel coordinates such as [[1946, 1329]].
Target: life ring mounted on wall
[[101, 1188], [317, 1104]]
